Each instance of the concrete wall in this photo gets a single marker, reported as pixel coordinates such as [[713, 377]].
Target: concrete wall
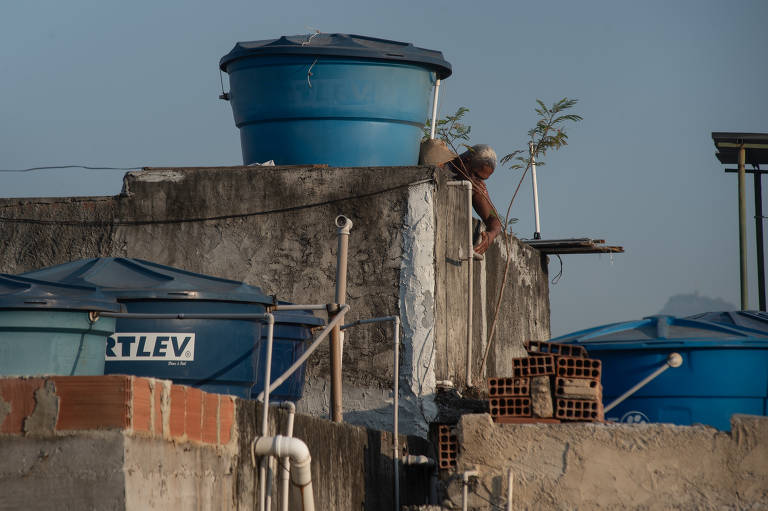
[[127, 443], [273, 227], [616, 466]]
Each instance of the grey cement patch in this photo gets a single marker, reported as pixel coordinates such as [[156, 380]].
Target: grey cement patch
[[42, 421]]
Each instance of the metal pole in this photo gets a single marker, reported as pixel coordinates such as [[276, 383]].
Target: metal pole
[[759, 239], [537, 233], [742, 231], [344, 224], [434, 109]]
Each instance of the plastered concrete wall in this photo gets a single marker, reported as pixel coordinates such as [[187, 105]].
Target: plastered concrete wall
[[273, 227], [616, 466]]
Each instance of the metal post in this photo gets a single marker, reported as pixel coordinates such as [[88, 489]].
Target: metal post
[[434, 109], [344, 224], [537, 233], [759, 239], [742, 231]]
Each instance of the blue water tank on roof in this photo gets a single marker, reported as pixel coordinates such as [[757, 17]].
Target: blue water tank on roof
[[724, 370], [336, 99], [223, 356], [46, 328]]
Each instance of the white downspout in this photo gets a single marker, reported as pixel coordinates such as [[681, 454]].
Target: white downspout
[[285, 465], [298, 452], [537, 233], [263, 505], [470, 278], [434, 109]]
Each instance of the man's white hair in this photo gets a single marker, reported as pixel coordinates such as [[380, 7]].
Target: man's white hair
[[481, 154]]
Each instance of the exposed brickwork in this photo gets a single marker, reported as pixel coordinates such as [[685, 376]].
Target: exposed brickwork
[[568, 350], [509, 387], [510, 407], [573, 367], [447, 446], [18, 394], [533, 366], [142, 406], [578, 410], [526, 420]]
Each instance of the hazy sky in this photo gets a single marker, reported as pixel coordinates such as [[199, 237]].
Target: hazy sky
[[136, 83]]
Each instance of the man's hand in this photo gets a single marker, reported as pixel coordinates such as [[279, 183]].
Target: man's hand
[[485, 242]]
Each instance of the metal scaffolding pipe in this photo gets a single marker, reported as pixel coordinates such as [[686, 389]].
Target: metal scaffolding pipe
[[742, 230]]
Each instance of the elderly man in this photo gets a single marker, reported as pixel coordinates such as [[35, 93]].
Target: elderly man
[[476, 165]]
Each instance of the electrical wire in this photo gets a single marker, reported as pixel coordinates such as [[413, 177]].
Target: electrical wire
[[55, 167], [556, 278], [116, 223]]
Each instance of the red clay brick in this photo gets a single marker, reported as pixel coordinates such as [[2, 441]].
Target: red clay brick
[[509, 387], [578, 409], [567, 350], [92, 402], [141, 405], [226, 419], [210, 432], [574, 367], [447, 446], [157, 407], [178, 411], [19, 394], [540, 365], [510, 407], [194, 419]]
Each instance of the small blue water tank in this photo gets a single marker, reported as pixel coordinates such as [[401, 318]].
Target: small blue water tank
[[222, 356], [46, 328], [724, 370], [336, 99]]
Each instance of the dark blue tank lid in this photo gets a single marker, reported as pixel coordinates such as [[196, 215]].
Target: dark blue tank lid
[[753, 320], [137, 279], [341, 45], [17, 292], [655, 331]]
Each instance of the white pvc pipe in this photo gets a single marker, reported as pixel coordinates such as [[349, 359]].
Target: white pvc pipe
[[465, 491], [673, 360], [298, 452], [510, 485], [434, 109], [537, 233], [263, 499], [396, 399], [303, 358], [300, 307], [285, 462], [470, 277]]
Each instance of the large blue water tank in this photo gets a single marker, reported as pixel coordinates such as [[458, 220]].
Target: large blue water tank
[[724, 370], [336, 99], [223, 356]]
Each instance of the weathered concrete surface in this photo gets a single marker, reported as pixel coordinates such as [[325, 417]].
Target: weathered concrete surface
[[617, 466], [273, 227], [68, 473]]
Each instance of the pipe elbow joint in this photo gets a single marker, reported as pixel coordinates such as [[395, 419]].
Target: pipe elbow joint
[[344, 224]]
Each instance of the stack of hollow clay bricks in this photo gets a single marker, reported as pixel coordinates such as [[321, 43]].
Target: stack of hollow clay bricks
[[447, 445], [556, 382]]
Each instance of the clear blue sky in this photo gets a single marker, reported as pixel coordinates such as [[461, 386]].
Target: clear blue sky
[[136, 83]]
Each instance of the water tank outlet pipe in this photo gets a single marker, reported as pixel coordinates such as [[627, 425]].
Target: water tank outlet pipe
[[308, 352], [298, 452], [673, 360], [434, 109], [395, 398], [344, 225], [263, 467], [285, 463], [470, 278]]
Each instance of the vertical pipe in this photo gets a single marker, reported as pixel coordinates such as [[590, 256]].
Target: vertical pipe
[[285, 468], [344, 224], [510, 485], [759, 238], [395, 416], [537, 233], [434, 109], [265, 411], [742, 231]]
